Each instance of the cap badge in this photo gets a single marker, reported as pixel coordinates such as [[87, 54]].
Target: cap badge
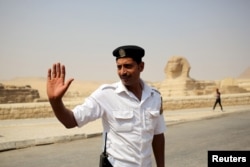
[[122, 53]]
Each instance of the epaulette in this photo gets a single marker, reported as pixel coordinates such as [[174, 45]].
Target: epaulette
[[155, 90], [108, 86]]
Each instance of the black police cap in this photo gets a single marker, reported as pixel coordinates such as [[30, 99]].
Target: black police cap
[[132, 51]]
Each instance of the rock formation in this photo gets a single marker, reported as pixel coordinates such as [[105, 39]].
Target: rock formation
[[17, 94], [231, 86]]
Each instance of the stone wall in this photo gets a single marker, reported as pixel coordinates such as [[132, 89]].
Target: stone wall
[[29, 110], [17, 94], [174, 103], [43, 109]]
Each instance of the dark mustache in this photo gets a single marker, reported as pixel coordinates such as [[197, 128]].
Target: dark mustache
[[124, 75]]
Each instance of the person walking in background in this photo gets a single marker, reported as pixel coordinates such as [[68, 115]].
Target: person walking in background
[[218, 99], [131, 111]]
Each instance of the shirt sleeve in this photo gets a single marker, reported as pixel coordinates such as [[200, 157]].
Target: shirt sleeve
[[89, 111], [161, 125]]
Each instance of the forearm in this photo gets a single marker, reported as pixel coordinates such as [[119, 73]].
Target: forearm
[[64, 115], [158, 145]]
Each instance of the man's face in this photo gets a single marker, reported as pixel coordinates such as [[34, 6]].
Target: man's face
[[128, 70]]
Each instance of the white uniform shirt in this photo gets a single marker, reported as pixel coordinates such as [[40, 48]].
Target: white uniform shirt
[[131, 124]]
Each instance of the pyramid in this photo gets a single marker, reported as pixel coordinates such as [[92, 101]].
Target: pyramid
[[245, 74]]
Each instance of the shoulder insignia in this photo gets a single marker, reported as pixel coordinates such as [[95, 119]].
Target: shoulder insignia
[[161, 109], [157, 91], [107, 86]]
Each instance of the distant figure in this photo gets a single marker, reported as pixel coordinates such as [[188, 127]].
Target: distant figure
[[218, 99]]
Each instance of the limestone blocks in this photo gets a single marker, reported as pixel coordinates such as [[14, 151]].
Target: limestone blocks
[[232, 86], [17, 94]]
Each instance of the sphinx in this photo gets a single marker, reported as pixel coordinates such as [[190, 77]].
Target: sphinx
[[178, 82]]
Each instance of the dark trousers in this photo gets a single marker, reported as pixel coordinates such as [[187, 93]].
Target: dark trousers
[[218, 101]]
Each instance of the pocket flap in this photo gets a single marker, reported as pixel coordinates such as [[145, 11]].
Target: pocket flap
[[154, 113], [123, 114]]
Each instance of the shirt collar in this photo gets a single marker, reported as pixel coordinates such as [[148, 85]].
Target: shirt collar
[[146, 91]]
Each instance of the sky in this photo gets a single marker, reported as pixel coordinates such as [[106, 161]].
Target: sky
[[213, 35]]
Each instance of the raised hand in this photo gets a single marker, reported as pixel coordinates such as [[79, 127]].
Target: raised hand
[[56, 85]]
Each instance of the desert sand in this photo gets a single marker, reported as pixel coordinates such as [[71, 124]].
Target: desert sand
[[77, 87]]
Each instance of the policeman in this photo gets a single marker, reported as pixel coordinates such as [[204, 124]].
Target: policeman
[[130, 111]]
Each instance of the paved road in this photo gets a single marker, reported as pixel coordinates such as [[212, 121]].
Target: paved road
[[186, 145]]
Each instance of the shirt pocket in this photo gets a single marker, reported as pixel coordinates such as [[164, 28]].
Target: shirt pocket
[[123, 120], [151, 119]]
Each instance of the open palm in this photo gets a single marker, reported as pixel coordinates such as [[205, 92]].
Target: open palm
[[56, 85]]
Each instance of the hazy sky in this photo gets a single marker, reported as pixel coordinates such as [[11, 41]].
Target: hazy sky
[[214, 36]]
